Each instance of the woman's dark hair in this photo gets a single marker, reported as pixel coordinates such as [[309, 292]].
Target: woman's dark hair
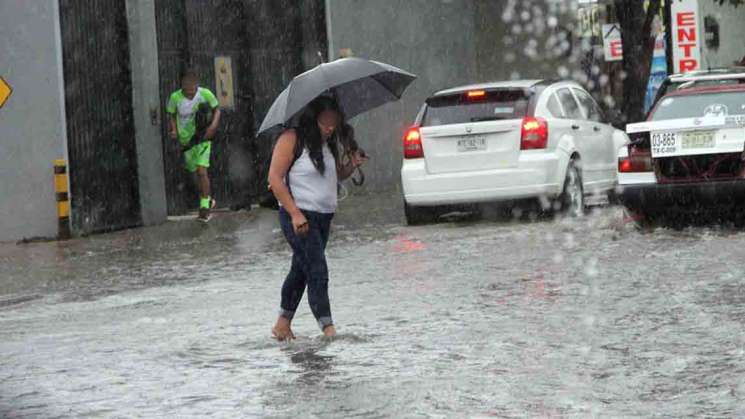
[[347, 138], [309, 135]]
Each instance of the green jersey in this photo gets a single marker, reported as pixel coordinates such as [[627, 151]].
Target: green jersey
[[185, 109]]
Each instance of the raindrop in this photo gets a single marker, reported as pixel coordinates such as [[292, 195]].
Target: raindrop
[[591, 268], [603, 80], [610, 102], [510, 57], [508, 15], [579, 76]]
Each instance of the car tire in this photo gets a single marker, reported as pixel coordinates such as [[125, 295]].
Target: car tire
[[419, 215], [572, 199], [613, 198]]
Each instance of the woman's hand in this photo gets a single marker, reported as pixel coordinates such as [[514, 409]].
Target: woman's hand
[[300, 224], [357, 159]]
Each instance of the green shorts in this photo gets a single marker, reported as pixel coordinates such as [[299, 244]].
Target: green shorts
[[198, 156]]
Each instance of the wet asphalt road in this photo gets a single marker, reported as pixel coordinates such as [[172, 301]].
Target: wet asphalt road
[[486, 318]]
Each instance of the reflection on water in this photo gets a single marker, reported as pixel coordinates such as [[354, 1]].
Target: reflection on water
[[312, 366], [492, 318]]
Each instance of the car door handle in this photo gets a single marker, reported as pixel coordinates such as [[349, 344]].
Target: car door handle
[[596, 128], [575, 127]]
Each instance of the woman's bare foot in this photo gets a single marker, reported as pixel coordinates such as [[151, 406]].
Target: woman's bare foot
[[281, 330], [329, 331]]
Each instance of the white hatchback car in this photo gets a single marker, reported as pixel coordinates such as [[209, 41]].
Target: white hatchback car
[[507, 141]]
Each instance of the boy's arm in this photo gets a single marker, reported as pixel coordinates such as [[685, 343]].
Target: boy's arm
[[215, 105], [212, 129], [171, 111], [172, 130]]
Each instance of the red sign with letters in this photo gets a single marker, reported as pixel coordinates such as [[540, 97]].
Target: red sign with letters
[[686, 36]]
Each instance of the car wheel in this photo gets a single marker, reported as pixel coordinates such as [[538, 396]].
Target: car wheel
[[419, 215], [573, 195], [613, 198]]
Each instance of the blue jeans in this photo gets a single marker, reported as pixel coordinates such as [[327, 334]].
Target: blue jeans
[[308, 267]]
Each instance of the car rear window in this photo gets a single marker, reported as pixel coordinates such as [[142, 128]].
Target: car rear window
[[490, 106], [706, 104]]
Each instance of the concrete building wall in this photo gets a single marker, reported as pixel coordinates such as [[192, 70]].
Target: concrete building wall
[[446, 43], [32, 122], [529, 39], [146, 109], [731, 33], [433, 39]]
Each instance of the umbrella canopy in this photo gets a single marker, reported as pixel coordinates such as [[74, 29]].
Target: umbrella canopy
[[357, 84]]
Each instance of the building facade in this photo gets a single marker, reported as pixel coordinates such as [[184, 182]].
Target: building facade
[[89, 85], [90, 80]]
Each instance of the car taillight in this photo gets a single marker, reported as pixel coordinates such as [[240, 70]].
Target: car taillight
[[638, 160], [413, 144], [476, 94], [534, 133]]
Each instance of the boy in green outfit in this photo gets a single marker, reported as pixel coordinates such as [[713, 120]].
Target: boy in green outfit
[[182, 107]]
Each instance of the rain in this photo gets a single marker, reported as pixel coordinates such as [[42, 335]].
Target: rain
[[538, 208]]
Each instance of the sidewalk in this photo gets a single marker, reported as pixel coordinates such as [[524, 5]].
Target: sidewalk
[[85, 267], [178, 250]]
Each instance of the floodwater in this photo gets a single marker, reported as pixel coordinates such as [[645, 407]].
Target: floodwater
[[489, 318]]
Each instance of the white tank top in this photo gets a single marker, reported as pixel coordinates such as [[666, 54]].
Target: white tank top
[[311, 190]]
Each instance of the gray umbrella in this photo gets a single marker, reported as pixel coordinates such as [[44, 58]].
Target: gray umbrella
[[358, 85]]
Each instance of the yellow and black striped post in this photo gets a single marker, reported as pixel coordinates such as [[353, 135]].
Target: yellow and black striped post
[[63, 199]]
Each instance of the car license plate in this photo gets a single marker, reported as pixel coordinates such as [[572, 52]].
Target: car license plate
[[668, 144], [698, 139], [472, 144], [664, 144]]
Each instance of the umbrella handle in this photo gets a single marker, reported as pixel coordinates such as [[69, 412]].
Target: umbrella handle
[[360, 180]]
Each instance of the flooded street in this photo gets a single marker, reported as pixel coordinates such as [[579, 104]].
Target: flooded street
[[487, 318]]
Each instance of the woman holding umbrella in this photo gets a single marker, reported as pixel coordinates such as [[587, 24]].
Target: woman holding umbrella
[[307, 163], [309, 160]]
